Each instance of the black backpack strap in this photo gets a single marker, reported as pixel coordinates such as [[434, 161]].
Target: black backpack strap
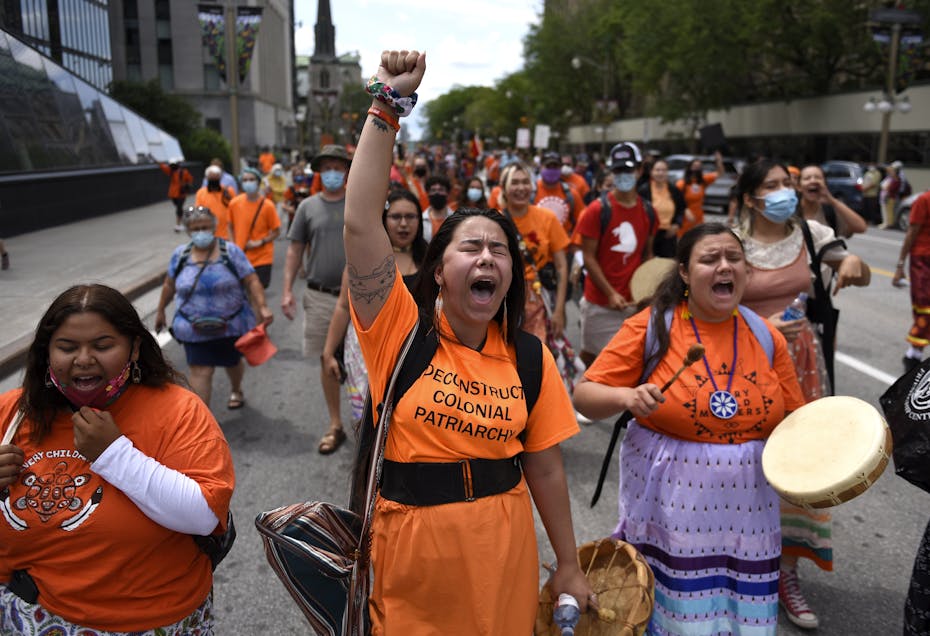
[[606, 211], [529, 366], [182, 260], [569, 197], [825, 311]]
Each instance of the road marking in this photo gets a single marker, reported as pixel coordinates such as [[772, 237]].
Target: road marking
[[867, 369], [883, 272], [868, 238]]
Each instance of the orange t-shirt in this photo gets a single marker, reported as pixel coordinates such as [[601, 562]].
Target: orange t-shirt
[[176, 180], [494, 199], [553, 197], [431, 563], [241, 213], [214, 201], [576, 180], [97, 559], [543, 235], [266, 161], [694, 200], [764, 393]]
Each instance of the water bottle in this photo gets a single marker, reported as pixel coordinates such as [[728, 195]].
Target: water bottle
[[797, 309], [566, 614]]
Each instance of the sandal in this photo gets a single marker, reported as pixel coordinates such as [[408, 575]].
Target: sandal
[[236, 400], [331, 441]]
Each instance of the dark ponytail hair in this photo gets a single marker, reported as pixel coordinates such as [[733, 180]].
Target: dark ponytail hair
[[671, 290]]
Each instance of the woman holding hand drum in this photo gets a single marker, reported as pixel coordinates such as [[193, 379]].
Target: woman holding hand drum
[[693, 499]]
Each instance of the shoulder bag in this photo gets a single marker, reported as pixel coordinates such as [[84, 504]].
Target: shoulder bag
[[321, 551], [820, 310]]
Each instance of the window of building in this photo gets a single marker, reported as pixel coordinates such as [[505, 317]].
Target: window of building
[[324, 78], [214, 123]]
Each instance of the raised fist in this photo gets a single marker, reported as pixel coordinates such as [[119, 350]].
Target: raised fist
[[402, 70]]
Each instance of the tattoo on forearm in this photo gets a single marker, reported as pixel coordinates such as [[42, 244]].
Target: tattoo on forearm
[[380, 125], [375, 285]]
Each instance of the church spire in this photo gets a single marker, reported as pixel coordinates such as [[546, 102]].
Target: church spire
[[324, 32]]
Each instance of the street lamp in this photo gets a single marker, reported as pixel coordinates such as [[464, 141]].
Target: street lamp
[[604, 68], [888, 104]]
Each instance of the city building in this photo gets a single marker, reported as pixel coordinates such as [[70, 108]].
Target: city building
[[163, 39], [74, 34], [333, 96]]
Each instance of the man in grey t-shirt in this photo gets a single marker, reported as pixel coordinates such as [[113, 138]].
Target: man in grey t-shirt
[[317, 229]]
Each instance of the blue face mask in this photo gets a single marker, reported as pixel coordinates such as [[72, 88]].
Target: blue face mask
[[625, 181], [474, 194], [780, 205], [202, 239], [332, 179], [250, 187]]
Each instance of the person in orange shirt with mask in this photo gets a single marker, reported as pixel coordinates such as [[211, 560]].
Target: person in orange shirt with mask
[[556, 195], [179, 183], [254, 225], [216, 197]]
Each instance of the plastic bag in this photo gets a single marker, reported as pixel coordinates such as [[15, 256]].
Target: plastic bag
[[907, 410]]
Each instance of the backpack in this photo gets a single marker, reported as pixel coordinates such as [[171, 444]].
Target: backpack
[[756, 325], [224, 259], [422, 349], [905, 190]]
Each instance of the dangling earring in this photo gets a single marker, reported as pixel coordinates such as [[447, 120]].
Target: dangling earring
[[686, 291], [136, 373], [504, 321], [48, 378], [437, 309]]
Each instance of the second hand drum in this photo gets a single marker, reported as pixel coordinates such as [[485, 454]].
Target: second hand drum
[[827, 452]]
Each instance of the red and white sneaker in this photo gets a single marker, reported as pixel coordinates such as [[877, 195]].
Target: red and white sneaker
[[794, 603]]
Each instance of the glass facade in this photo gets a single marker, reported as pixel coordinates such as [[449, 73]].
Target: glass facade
[[52, 120], [74, 33]]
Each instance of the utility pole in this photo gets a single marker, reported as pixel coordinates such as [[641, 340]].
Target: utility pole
[[232, 82]]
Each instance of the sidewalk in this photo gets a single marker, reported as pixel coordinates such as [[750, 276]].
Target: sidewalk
[[126, 250]]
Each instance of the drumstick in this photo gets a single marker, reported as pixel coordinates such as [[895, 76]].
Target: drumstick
[[695, 353], [11, 431]]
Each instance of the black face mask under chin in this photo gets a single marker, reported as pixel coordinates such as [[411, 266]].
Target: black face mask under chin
[[213, 186]]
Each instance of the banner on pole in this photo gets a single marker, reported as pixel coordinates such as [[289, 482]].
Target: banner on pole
[[248, 19], [213, 32]]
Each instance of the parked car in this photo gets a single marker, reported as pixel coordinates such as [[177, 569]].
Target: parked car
[[844, 180], [902, 216], [717, 194]]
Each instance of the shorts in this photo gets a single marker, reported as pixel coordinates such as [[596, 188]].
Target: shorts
[[264, 274], [318, 311], [221, 352], [599, 324]]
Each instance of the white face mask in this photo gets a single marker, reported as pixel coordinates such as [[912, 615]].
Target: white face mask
[[566, 170], [625, 181]]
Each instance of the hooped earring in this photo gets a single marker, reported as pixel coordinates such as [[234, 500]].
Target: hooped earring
[[48, 378], [136, 373], [437, 309]]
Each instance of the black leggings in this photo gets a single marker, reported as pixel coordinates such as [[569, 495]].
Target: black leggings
[[178, 208]]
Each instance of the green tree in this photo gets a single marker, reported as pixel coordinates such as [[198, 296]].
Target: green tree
[[172, 113], [205, 144]]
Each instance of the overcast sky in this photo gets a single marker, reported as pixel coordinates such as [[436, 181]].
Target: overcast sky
[[468, 42]]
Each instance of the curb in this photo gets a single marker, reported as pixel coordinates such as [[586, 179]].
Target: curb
[[13, 354]]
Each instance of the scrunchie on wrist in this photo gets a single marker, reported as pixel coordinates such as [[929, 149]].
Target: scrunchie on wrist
[[403, 106]]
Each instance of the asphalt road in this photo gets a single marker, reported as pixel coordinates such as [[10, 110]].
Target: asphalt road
[[274, 440]]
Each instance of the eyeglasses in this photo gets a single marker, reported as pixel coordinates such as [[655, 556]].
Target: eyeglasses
[[397, 218]]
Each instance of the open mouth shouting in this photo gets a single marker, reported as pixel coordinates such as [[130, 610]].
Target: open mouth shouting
[[723, 289], [86, 382], [482, 289]]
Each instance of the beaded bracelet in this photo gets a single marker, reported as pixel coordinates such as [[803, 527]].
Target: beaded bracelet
[[387, 117], [403, 106]]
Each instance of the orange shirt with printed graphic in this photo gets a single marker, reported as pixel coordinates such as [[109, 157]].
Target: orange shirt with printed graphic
[[96, 558], [543, 235], [432, 563], [764, 393], [554, 197]]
